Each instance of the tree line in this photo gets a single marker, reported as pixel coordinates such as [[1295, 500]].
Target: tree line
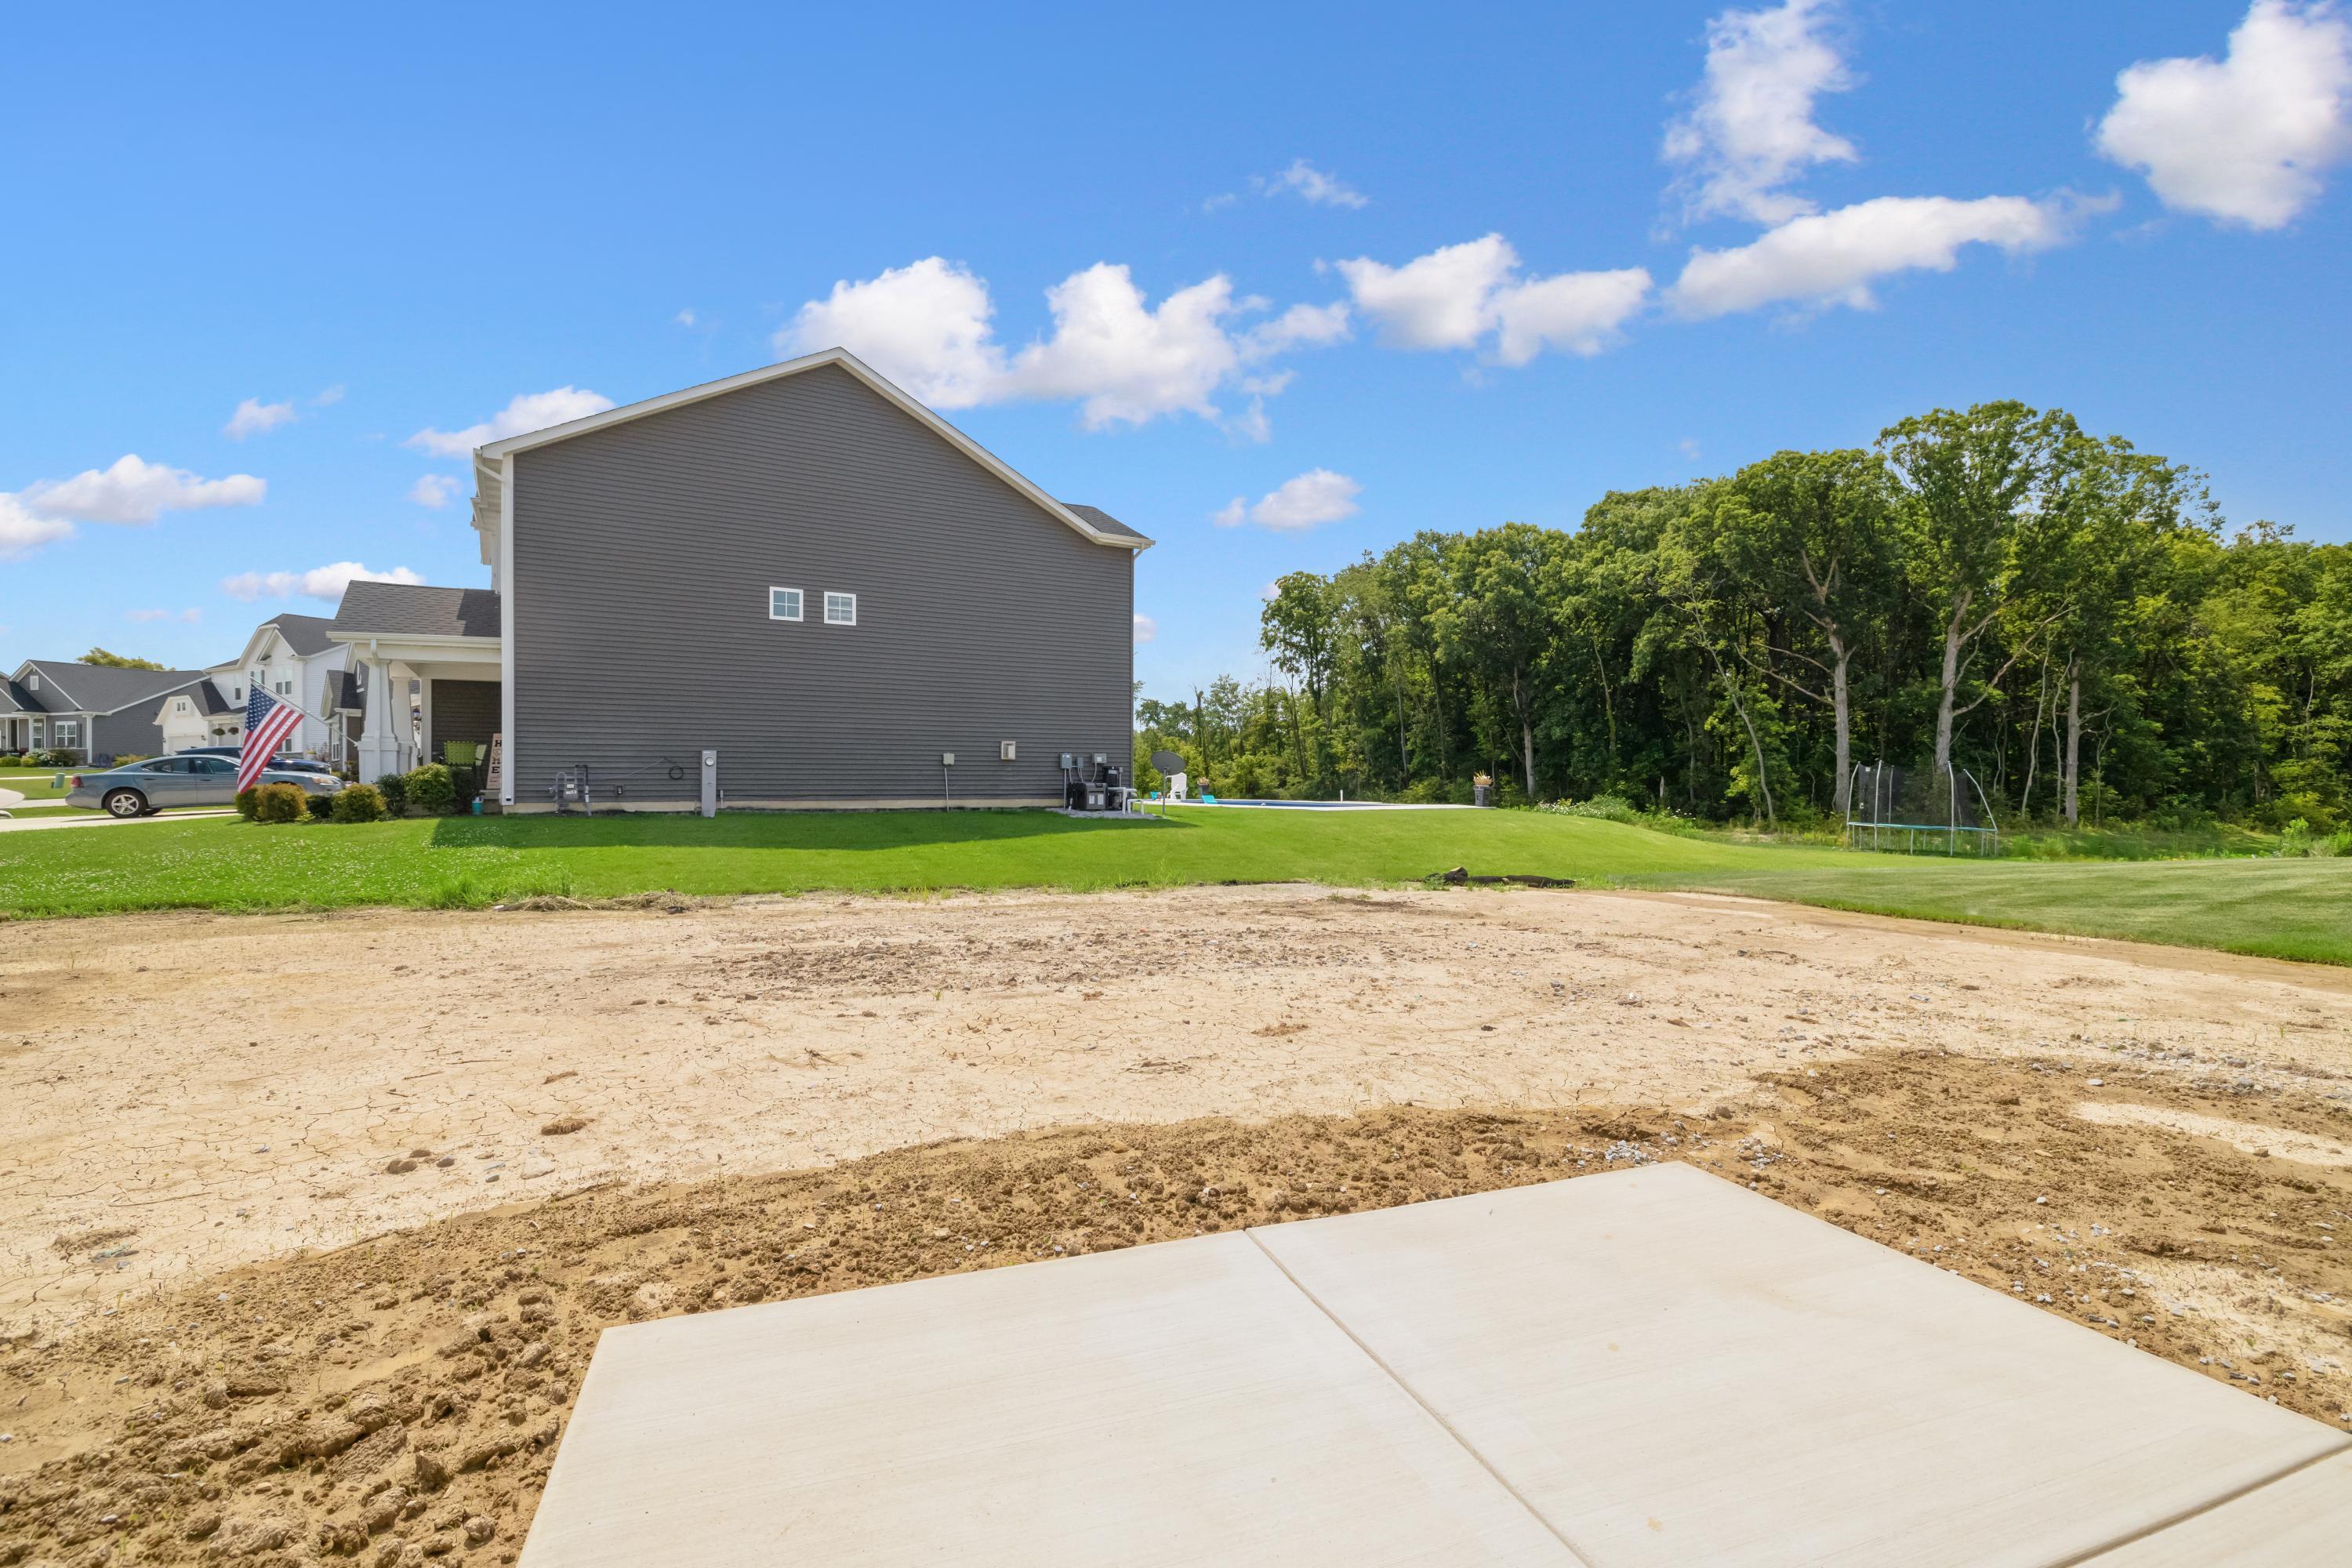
[[1993, 590]]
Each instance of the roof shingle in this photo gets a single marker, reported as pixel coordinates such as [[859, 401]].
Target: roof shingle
[[400, 609]]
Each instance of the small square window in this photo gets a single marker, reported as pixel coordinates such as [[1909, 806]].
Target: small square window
[[783, 604], [841, 609]]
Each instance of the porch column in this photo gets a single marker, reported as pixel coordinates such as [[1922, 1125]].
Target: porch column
[[379, 743]]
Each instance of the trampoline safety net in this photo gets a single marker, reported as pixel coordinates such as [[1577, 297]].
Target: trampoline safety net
[[1943, 809]]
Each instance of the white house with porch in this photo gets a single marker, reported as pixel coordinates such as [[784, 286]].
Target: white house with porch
[[428, 667]]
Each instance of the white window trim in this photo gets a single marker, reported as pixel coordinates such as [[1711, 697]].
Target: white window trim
[[829, 597], [800, 603]]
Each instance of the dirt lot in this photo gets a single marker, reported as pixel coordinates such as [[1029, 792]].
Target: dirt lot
[[495, 1134]]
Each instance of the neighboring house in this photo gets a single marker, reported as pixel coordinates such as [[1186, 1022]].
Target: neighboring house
[[95, 709], [296, 659], [801, 568], [200, 716]]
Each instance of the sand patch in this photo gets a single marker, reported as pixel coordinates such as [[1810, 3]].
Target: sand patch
[[2246, 1137]]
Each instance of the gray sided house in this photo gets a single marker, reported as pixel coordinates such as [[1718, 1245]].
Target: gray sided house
[[93, 709], [801, 568]]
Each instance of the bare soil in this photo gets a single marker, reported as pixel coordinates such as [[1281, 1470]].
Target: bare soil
[[308, 1224]]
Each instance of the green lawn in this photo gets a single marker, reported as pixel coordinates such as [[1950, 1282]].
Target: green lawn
[[2286, 909], [33, 786]]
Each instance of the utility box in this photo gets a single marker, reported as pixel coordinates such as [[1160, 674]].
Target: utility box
[[710, 784], [1004, 750]]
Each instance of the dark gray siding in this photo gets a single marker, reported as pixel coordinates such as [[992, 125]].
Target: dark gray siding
[[464, 710], [643, 557], [132, 731]]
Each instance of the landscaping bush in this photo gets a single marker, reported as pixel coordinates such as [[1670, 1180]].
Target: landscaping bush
[[322, 805], [61, 759], [431, 789], [280, 802], [393, 788], [359, 802], [9, 759], [249, 803]]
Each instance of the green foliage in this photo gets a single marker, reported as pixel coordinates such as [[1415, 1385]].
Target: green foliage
[[61, 757], [431, 789], [394, 787], [2058, 612], [98, 655], [322, 807], [248, 802], [280, 802], [358, 803]]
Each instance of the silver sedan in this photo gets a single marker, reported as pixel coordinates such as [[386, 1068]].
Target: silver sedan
[[140, 789]]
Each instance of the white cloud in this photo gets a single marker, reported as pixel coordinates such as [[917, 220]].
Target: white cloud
[[22, 530], [433, 489], [685, 318], [1311, 326], [1312, 184], [1750, 129], [1146, 628], [319, 583], [190, 616], [1127, 363], [254, 417], [1317, 496], [134, 491], [530, 411], [1579, 312], [929, 326], [1455, 296], [925, 326], [1833, 257], [2244, 139], [330, 397]]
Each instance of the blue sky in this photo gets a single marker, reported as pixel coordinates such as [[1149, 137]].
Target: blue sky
[[1159, 262]]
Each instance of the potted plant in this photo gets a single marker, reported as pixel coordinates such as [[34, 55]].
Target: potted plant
[[1482, 786]]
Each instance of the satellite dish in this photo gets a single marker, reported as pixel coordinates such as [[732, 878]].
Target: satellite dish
[[1168, 763]]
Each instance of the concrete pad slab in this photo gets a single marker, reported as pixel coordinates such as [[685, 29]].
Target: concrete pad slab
[[1673, 1370], [2302, 1521], [1177, 1404]]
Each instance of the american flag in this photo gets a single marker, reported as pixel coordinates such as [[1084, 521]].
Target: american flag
[[267, 722]]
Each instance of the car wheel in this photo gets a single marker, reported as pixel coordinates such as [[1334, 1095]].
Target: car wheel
[[125, 803]]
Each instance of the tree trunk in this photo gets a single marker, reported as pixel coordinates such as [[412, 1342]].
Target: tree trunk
[[2073, 741], [1405, 751], [1845, 724], [1527, 733], [2033, 747], [1950, 697]]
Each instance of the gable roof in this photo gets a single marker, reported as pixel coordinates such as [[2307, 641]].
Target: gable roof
[[1087, 521], [343, 694], [15, 698], [208, 699], [101, 689], [401, 609], [306, 634]]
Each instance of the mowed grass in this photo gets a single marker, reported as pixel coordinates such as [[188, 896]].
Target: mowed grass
[[2284, 908], [33, 786]]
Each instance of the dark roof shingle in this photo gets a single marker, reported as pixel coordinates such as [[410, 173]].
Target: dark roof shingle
[[1103, 522], [400, 609], [73, 688], [306, 634]]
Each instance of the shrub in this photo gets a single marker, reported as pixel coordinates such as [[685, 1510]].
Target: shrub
[[61, 758], [359, 802], [280, 802], [322, 805], [249, 803], [1608, 807], [10, 760], [393, 788], [431, 789]]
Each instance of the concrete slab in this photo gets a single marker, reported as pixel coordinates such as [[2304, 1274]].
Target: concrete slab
[[2302, 1521], [1177, 1403], [1673, 1370]]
